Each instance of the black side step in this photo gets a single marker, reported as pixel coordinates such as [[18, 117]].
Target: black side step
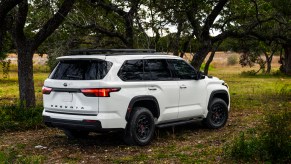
[[163, 125]]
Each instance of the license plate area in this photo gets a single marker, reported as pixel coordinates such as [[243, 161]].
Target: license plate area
[[67, 97]]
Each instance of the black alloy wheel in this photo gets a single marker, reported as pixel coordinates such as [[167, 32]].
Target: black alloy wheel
[[143, 127], [217, 114], [140, 127]]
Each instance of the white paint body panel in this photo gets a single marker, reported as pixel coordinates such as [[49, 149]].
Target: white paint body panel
[[174, 102]]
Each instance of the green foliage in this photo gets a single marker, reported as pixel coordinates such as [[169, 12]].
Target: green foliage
[[3, 55], [232, 59], [13, 117], [245, 149], [5, 68], [211, 68], [12, 155], [273, 143], [249, 73]]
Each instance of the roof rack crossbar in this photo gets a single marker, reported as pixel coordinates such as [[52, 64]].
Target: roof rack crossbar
[[109, 51]]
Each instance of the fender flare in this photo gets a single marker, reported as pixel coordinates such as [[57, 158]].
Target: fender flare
[[141, 98], [211, 97]]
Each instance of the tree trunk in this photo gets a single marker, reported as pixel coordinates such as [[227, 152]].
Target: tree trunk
[[269, 66], [129, 32], [177, 39], [287, 59], [269, 61], [2, 32], [25, 77], [199, 57], [207, 64], [186, 45]]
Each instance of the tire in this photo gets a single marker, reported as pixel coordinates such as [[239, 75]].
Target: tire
[[140, 127], [76, 134], [217, 114]]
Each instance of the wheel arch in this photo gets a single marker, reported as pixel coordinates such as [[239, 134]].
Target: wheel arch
[[146, 101], [222, 94]]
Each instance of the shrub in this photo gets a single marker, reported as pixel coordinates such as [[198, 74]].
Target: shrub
[[232, 59], [5, 68], [13, 117], [249, 73], [272, 144]]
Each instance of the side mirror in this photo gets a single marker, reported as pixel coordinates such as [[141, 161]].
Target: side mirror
[[199, 75]]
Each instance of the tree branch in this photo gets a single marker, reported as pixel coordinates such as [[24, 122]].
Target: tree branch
[[53, 23], [6, 6], [212, 16], [103, 31], [18, 33], [109, 7], [134, 7], [193, 21]]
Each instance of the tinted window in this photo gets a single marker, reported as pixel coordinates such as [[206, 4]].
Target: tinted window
[[131, 70], [156, 69], [181, 69], [81, 70]]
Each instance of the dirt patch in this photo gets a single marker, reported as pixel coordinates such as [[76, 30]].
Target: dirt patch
[[186, 143]]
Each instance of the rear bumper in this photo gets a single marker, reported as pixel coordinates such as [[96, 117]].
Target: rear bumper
[[72, 124], [102, 121]]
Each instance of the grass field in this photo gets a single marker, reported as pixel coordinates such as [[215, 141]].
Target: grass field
[[253, 98]]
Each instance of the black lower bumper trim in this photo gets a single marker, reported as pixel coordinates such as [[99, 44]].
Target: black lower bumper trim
[[72, 124], [80, 114]]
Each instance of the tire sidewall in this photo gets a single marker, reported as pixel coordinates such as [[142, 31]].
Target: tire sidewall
[[208, 120], [138, 112]]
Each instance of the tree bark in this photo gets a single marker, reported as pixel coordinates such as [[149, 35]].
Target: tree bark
[[25, 76], [129, 31], [27, 46], [210, 59], [177, 39], [269, 62], [207, 64], [186, 45], [269, 67], [5, 7], [287, 59], [199, 56]]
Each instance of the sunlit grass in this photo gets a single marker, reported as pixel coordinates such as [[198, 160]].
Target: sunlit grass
[[251, 98], [9, 91]]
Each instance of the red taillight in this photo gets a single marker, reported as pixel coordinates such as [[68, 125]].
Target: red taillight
[[99, 92], [46, 90]]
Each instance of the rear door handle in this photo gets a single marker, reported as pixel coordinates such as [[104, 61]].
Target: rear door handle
[[152, 88], [183, 86]]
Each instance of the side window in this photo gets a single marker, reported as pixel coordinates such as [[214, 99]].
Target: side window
[[181, 69], [157, 69], [132, 70]]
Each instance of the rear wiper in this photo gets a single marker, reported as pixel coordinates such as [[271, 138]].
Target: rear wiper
[[74, 76]]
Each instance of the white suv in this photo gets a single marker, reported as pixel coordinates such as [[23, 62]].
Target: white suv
[[130, 90]]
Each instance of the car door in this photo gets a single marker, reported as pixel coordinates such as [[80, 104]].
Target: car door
[[160, 84], [192, 93]]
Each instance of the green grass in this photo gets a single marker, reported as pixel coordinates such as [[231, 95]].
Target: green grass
[[9, 86], [13, 155], [271, 143], [13, 118], [253, 98]]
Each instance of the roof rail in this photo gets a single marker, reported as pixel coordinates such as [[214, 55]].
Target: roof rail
[[110, 51]]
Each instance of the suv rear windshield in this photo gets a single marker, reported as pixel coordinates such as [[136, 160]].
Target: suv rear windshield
[[81, 70]]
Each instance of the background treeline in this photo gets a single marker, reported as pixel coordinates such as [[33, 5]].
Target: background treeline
[[258, 29]]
